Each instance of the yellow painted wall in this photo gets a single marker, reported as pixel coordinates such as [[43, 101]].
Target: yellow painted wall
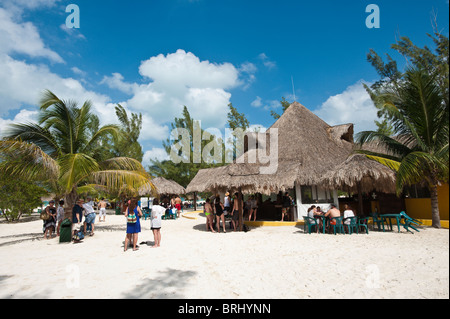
[[420, 208]]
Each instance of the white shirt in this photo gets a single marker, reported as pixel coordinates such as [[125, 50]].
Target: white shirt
[[348, 213], [88, 208], [226, 202], [60, 213], [157, 213]]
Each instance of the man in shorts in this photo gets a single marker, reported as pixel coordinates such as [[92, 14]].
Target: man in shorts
[[286, 210], [102, 210], [89, 216], [178, 206]]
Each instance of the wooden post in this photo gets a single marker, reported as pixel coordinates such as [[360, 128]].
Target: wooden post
[[195, 201], [241, 211], [360, 200]]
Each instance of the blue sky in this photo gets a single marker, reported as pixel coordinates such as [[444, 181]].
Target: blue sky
[[155, 56]]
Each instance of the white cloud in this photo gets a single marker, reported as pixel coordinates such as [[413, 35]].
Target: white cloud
[[257, 102], [181, 79], [247, 72], [184, 69], [116, 82], [24, 116], [351, 106], [23, 38], [266, 61], [23, 83], [155, 153]]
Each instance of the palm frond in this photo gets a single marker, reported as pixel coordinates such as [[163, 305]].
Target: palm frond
[[122, 163], [391, 163], [75, 168], [115, 179], [26, 160]]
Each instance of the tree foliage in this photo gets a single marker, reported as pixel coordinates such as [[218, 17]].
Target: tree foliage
[[64, 150], [415, 110], [19, 197]]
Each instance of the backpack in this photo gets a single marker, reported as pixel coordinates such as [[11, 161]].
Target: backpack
[[131, 219]]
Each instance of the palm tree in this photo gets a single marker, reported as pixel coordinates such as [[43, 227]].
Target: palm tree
[[419, 149], [63, 148]]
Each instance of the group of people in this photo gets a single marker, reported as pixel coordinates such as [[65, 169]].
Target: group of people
[[317, 213], [80, 209], [133, 213], [85, 210], [229, 207]]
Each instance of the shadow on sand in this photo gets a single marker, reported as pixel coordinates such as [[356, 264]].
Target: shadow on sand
[[168, 284]]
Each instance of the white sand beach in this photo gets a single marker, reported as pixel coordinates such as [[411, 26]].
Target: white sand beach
[[266, 262]]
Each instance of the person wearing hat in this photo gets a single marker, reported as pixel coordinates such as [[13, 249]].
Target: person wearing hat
[[50, 224]]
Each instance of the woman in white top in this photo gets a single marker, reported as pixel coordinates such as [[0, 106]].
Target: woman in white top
[[347, 214], [157, 213], [227, 204]]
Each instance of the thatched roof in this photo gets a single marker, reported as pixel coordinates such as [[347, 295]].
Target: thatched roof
[[163, 186], [359, 169], [307, 148]]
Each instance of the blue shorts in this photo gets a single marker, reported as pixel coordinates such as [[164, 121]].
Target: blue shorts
[[90, 219]]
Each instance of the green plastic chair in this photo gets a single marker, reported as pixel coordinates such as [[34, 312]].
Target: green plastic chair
[[362, 223], [409, 222], [339, 227], [379, 221], [147, 213], [353, 224], [310, 223]]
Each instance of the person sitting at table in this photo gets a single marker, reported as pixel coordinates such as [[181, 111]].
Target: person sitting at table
[[332, 213], [347, 214], [312, 213]]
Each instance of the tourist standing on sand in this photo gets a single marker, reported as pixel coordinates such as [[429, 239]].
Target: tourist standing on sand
[[156, 222], [235, 211], [102, 210], [89, 216], [59, 216], [133, 214], [209, 213], [218, 206], [50, 224], [77, 213], [178, 206]]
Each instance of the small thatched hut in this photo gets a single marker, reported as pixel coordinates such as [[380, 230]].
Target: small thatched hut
[[163, 187]]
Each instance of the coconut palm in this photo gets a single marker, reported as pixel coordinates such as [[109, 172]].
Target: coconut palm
[[63, 148], [419, 150]]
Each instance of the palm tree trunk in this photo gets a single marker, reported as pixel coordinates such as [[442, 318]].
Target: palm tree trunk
[[360, 200], [435, 217], [70, 201], [241, 211]]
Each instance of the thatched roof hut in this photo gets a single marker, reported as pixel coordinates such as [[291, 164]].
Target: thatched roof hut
[[360, 174], [307, 148], [163, 186]]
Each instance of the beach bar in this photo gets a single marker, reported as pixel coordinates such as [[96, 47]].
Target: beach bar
[[307, 148]]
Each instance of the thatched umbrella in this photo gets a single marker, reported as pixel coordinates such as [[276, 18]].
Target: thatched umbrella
[[163, 186], [360, 174]]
